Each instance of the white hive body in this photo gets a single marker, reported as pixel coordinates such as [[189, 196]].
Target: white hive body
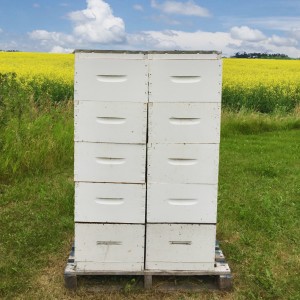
[[111, 122], [180, 247], [110, 78], [183, 163], [184, 122], [147, 133], [109, 247], [110, 202], [107, 162], [181, 203], [184, 79]]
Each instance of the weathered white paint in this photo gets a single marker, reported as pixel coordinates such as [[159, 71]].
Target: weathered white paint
[[103, 162], [183, 163], [185, 80], [184, 122], [109, 247], [112, 77], [110, 202], [180, 246], [110, 122], [181, 203]]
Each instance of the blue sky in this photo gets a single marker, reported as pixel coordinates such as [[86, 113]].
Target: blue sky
[[229, 26]]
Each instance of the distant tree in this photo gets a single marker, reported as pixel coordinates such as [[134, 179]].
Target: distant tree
[[260, 55], [240, 55]]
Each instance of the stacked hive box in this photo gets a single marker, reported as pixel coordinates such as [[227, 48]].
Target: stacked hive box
[[183, 158], [180, 168], [111, 94]]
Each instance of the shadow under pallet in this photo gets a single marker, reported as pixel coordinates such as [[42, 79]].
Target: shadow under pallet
[[220, 277]]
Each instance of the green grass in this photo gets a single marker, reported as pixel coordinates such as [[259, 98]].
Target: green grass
[[261, 98], [258, 213], [247, 122], [39, 87], [36, 187], [259, 206], [35, 220], [34, 138]]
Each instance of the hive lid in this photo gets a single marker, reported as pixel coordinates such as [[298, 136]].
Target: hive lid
[[149, 52]]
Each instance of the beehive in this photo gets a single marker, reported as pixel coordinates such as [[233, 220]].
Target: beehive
[[147, 133]]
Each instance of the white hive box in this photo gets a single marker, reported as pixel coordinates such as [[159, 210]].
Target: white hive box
[[181, 203], [180, 247], [111, 77], [110, 122], [183, 163], [102, 162], [103, 247], [185, 78], [110, 202], [184, 122]]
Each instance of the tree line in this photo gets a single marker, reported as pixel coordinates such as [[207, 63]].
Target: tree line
[[260, 55]]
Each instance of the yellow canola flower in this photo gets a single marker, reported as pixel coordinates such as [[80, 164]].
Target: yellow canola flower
[[57, 67], [246, 73], [249, 73]]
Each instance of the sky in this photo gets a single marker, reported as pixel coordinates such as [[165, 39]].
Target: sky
[[60, 26]]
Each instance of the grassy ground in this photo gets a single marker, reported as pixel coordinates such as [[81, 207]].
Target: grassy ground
[[259, 213], [259, 193]]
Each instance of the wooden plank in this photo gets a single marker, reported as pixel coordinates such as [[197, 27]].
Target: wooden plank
[[225, 282], [220, 269], [147, 282], [70, 276]]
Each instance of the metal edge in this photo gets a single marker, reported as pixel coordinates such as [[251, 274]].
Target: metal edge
[[149, 52]]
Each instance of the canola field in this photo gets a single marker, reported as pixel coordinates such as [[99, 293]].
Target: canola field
[[264, 86], [44, 76]]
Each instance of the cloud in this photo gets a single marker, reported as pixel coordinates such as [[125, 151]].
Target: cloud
[[245, 33], [36, 5], [201, 40], [94, 25], [59, 49], [181, 40], [57, 37], [152, 40], [295, 34], [282, 41], [97, 27], [138, 7], [188, 8], [1, 30], [275, 23], [97, 24]]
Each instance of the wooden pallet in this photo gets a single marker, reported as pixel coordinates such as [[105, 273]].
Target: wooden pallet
[[221, 272]]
